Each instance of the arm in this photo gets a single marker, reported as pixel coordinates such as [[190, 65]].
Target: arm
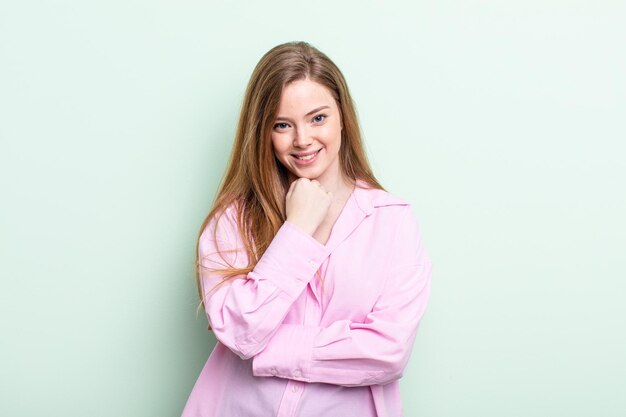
[[349, 353], [245, 311]]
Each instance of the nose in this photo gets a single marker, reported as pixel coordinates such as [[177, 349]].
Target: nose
[[301, 137]]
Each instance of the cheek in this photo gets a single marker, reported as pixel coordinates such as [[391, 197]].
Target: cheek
[[333, 135], [278, 143]]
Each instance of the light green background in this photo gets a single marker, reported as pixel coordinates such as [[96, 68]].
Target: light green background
[[502, 121]]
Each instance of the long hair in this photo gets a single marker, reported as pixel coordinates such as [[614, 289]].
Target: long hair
[[255, 181]]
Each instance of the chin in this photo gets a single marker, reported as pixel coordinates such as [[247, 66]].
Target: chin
[[311, 175]]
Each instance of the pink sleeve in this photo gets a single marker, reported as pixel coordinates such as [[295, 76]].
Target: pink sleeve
[[247, 310], [371, 352]]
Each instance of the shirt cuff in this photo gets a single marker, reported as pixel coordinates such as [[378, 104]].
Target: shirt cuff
[[291, 260], [288, 354]]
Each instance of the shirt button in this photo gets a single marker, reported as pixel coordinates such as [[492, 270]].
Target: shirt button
[[273, 371], [313, 264], [297, 373], [294, 388]]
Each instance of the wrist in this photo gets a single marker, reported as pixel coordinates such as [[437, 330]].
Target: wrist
[[306, 228]]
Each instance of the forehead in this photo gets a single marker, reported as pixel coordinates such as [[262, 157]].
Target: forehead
[[302, 95]]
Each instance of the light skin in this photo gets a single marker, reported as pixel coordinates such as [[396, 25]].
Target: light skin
[[308, 123]]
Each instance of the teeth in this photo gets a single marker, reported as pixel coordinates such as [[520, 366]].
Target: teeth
[[306, 158]]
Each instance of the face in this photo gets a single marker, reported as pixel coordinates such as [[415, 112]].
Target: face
[[306, 135]]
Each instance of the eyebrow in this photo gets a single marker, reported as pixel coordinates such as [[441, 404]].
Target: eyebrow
[[315, 110]]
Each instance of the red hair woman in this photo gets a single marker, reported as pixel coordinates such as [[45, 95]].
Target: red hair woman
[[314, 278]]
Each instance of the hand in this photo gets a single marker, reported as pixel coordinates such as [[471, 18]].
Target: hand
[[307, 204]]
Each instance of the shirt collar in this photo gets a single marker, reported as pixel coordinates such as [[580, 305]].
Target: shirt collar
[[367, 198]]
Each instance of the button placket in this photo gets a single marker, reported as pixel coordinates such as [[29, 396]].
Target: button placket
[[291, 399]]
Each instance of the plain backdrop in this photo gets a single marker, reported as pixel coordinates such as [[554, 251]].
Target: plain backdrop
[[503, 122]]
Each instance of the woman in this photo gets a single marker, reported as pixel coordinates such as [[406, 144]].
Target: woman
[[313, 277]]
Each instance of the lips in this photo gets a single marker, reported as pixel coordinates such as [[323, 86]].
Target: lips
[[305, 158], [299, 155]]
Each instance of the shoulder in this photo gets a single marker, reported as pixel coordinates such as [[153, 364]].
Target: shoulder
[[388, 211]]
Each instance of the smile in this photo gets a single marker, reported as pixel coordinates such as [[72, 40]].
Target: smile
[[306, 159]]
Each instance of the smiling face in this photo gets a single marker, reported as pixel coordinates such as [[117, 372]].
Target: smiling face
[[306, 135]]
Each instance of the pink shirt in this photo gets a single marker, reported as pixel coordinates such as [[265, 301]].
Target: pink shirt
[[290, 345]]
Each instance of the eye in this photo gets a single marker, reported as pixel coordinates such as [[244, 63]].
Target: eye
[[319, 118], [281, 125]]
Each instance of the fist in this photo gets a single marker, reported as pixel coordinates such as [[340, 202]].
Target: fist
[[306, 204]]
